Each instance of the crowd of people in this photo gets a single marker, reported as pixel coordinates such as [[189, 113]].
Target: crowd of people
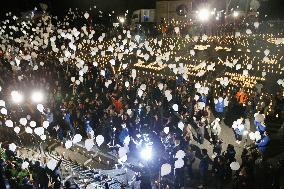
[[18, 173], [130, 109]]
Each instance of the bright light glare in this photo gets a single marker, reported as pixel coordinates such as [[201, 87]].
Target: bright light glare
[[37, 97], [203, 14], [17, 97], [121, 20], [146, 153], [235, 14]]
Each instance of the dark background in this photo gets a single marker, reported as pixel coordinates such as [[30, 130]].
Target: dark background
[[273, 8]]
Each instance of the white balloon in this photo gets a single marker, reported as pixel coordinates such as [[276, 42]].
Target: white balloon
[[140, 93], [166, 130], [77, 138], [161, 86], [237, 34], [257, 135], [235, 166], [35, 67], [122, 151], [197, 85], [68, 144], [196, 97], [124, 66], [40, 108], [127, 84], [176, 30], [39, 131], [33, 124], [179, 163], [4, 111], [266, 52], [169, 97], [77, 82], [249, 66], [175, 107], [265, 59], [12, 147], [112, 62], [29, 117], [9, 123], [43, 137], [165, 169], [180, 154], [204, 37], [143, 87], [23, 121], [2, 102], [45, 124], [51, 164], [181, 125], [280, 82], [129, 111], [91, 186], [201, 105], [126, 140], [137, 37], [167, 92], [107, 84], [122, 159], [133, 73], [258, 117], [89, 143], [248, 31], [100, 140], [238, 66], [86, 15], [25, 165], [103, 73], [28, 130], [17, 130]]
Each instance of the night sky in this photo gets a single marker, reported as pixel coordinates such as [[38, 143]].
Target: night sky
[[273, 8], [59, 7]]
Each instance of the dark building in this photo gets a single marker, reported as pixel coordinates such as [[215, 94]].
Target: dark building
[[173, 9]]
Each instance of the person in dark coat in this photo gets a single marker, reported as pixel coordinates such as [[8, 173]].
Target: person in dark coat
[[241, 180], [69, 185], [201, 130], [145, 179], [190, 159], [40, 176], [230, 153], [219, 172], [56, 176], [203, 167], [217, 149], [26, 184]]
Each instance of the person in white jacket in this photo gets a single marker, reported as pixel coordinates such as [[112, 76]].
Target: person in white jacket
[[215, 130]]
